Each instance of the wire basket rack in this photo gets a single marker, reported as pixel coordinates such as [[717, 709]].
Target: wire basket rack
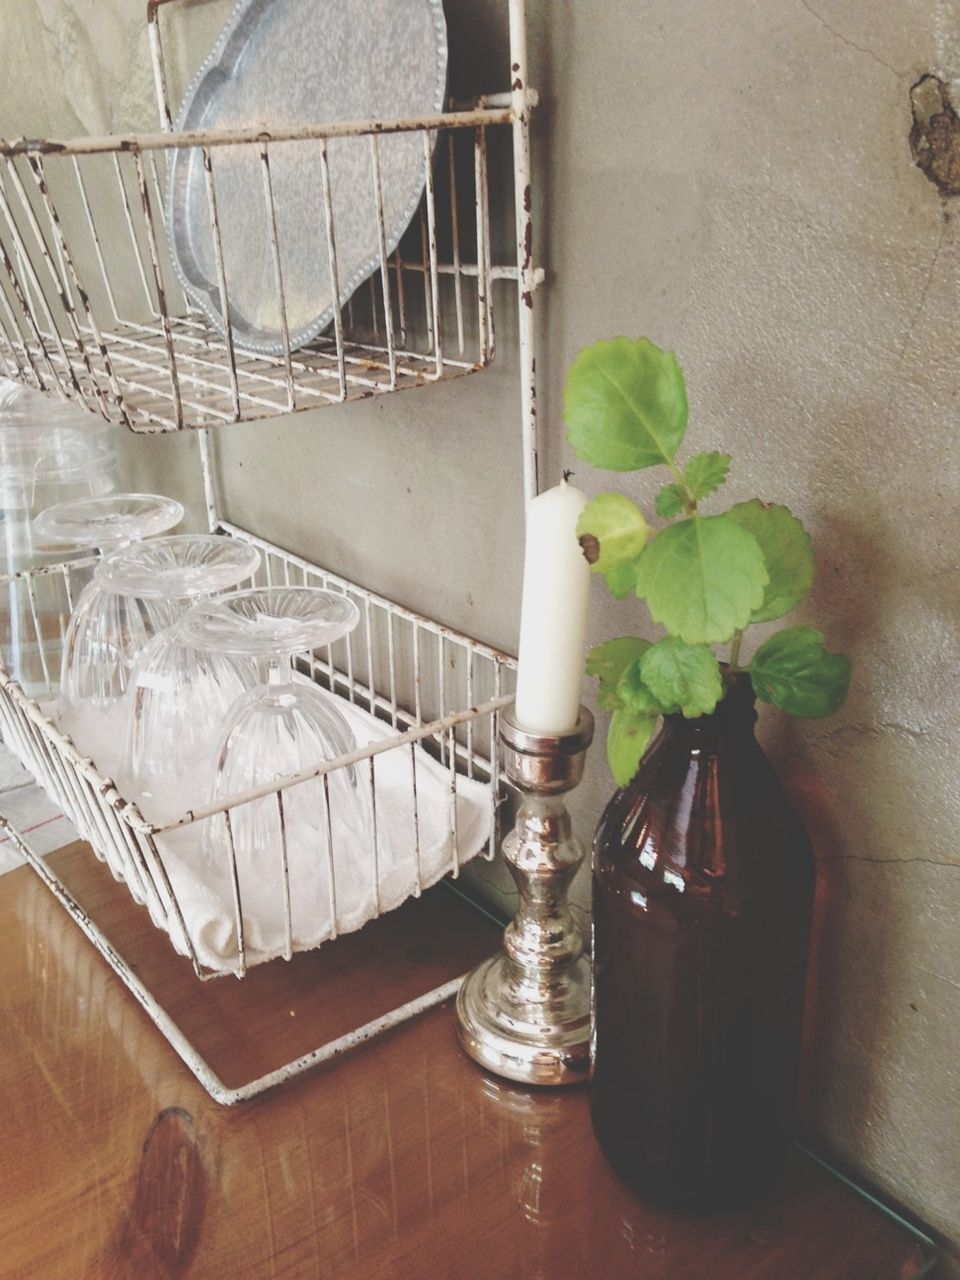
[[92, 308], [436, 692]]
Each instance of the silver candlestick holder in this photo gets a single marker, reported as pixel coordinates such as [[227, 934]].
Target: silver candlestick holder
[[525, 1013]]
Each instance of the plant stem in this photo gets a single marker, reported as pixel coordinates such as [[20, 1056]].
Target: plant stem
[[734, 663], [691, 502]]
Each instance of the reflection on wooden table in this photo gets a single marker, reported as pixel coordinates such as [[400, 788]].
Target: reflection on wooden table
[[402, 1160]]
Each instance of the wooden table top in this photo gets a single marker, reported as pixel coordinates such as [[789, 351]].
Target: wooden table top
[[401, 1161]]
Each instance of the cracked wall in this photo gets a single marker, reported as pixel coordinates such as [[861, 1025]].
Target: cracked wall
[[737, 181]]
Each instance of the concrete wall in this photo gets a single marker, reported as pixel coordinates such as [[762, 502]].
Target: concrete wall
[[733, 179]]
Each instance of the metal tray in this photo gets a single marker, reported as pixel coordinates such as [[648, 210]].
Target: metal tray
[[282, 63]]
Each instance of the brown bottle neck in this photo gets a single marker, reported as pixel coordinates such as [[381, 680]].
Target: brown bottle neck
[[735, 716]]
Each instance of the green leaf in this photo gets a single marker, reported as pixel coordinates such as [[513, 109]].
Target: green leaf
[[612, 533], [625, 405], [702, 578], [794, 671], [634, 695], [627, 740], [787, 554], [682, 677], [670, 501], [706, 472], [608, 661]]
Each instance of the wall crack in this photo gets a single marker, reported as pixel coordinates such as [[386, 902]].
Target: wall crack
[[886, 862], [924, 293], [851, 44]]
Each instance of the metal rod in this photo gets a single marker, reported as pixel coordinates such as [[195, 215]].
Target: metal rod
[[113, 143], [11, 360], [454, 815], [36, 166], [285, 874], [332, 264], [331, 868], [384, 266], [435, 729], [485, 261], [159, 73], [523, 201], [209, 479], [432, 241], [483, 294], [398, 265], [375, 836], [30, 275], [455, 240], [221, 279], [235, 889], [158, 284], [97, 248], [278, 273], [424, 258], [128, 213], [418, 890], [15, 323]]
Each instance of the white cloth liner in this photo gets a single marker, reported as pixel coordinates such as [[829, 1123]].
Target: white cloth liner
[[203, 885]]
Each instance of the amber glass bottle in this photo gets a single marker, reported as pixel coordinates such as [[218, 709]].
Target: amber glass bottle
[[702, 895]]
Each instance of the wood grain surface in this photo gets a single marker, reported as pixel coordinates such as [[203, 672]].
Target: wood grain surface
[[401, 1161]]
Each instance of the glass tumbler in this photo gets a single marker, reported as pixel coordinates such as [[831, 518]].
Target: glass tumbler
[[40, 465]]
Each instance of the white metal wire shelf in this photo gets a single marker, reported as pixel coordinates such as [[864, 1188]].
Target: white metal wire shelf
[[437, 691], [111, 328], [91, 308]]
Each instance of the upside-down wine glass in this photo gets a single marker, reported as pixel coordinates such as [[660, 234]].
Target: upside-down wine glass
[[136, 592], [286, 725]]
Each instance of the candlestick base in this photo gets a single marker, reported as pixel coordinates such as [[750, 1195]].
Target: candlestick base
[[525, 1013]]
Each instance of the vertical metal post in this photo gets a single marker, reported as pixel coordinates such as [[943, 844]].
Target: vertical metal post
[[209, 479], [159, 74], [221, 279], [523, 203], [159, 286]]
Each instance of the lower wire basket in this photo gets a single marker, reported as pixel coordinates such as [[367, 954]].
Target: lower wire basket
[[430, 764]]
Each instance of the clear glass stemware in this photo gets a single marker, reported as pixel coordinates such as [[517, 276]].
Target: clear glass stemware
[[284, 726], [108, 522], [136, 592]]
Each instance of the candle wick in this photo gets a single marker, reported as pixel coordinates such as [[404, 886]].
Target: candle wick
[[566, 476]]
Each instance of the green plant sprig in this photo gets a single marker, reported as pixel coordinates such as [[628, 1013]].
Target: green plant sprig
[[704, 578]]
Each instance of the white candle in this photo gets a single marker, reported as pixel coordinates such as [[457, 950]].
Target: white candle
[[553, 619]]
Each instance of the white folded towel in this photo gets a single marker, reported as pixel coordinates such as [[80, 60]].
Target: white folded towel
[[417, 843]]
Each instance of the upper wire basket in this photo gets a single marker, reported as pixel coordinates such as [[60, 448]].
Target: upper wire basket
[[92, 308]]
